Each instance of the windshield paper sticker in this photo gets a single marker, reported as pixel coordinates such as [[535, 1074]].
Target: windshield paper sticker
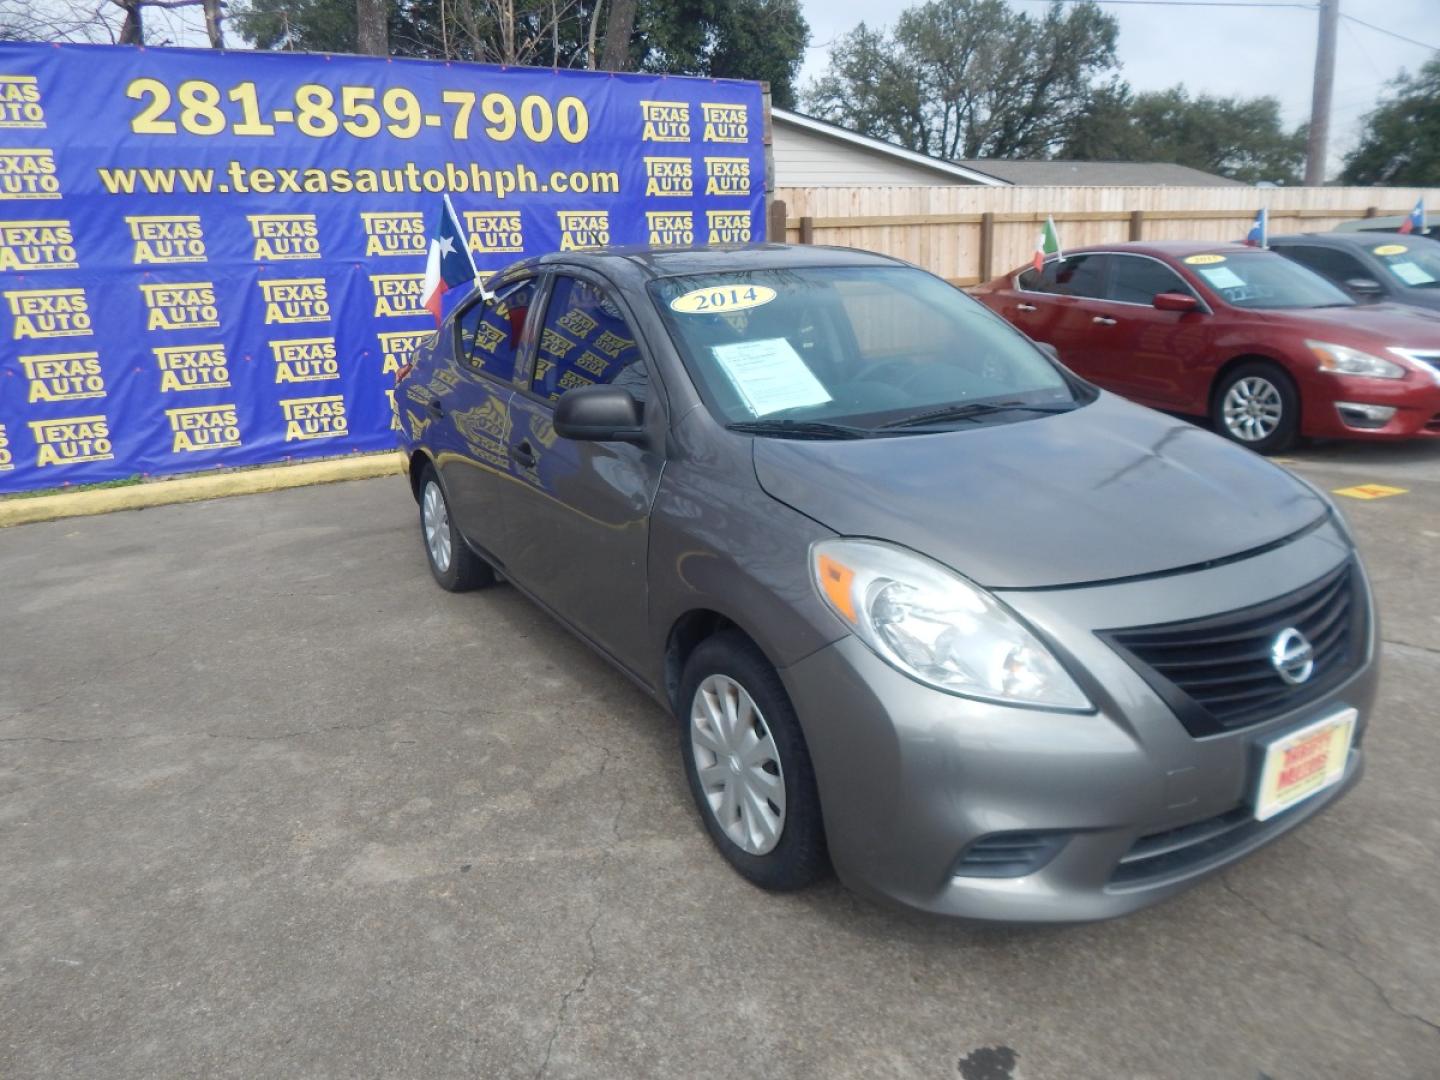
[[1410, 273], [770, 375], [1222, 277], [1391, 249], [722, 299], [1204, 260]]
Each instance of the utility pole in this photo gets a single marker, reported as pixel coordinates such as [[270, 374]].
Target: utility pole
[[1320, 102]]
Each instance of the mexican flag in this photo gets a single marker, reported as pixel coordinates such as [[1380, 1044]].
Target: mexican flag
[[1047, 243]]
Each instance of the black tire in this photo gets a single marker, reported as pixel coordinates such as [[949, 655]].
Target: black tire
[[463, 570], [799, 857], [1259, 374]]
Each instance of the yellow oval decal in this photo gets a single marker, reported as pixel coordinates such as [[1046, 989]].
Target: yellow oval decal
[[1204, 260], [1391, 249], [722, 299]]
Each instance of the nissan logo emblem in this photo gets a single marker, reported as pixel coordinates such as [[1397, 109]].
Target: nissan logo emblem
[[1292, 656]]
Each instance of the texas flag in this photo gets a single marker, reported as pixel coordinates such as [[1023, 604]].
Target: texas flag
[[1415, 223], [449, 263], [1259, 232]]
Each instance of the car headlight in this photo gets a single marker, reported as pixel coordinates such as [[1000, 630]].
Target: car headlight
[[1343, 360], [938, 628]]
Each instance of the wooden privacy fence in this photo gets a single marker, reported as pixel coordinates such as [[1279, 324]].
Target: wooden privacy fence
[[970, 234]]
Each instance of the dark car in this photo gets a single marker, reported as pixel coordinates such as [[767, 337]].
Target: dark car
[[1267, 349], [1388, 224], [924, 604], [1371, 268]]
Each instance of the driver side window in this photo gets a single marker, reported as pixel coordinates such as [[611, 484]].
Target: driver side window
[[1138, 280], [586, 341]]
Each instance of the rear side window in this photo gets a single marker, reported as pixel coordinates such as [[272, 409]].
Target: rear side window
[[586, 341], [1135, 280], [1078, 275], [490, 331]]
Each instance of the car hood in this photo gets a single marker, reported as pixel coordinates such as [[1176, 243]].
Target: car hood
[[1382, 325], [1110, 490]]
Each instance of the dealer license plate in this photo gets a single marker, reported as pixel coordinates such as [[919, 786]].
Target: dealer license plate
[[1301, 763]]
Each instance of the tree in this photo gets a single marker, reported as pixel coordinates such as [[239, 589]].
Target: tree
[[1242, 138], [969, 78], [740, 39], [1401, 144], [372, 32]]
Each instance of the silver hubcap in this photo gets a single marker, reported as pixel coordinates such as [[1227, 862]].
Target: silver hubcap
[[738, 764], [1252, 409], [436, 521]]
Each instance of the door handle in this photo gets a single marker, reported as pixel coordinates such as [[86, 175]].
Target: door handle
[[1103, 320], [523, 455], [436, 409], [1026, 307]]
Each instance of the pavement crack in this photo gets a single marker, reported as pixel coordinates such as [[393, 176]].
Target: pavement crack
[[1346, 958], [562, 1014]]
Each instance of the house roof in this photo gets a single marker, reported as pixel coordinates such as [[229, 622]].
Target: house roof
[[1097, 173], [951, 169]]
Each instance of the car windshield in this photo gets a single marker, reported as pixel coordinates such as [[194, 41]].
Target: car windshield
[[1263, 279], [849, 351], [1411, 261]]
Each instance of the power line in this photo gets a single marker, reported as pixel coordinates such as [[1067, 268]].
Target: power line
[[1190, 3], [1372, 26]]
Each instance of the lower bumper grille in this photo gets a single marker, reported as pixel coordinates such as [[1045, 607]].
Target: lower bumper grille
[[1009, 854], [1176, 850]]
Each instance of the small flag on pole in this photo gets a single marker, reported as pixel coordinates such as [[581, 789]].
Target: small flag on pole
[[449, 263], [1259, 234], [1047, 243], [1415, 223]]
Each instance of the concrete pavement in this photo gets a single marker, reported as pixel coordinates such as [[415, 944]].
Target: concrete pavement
[[272, 804]]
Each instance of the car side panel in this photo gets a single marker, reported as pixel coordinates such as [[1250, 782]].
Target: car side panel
[[719, 543]]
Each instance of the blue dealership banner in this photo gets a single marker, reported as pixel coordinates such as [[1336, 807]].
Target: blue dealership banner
[[215, 258]]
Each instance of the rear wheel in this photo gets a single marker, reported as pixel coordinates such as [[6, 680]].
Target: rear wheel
[[748, 766], [454, 566], [1257, 405]]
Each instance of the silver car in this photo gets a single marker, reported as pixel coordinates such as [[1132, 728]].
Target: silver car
[[927, 607]]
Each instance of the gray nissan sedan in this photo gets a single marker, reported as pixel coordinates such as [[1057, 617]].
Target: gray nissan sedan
[[926, 606]]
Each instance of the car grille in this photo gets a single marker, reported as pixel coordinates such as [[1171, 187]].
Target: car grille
[[1216, 673], [1431, 359]]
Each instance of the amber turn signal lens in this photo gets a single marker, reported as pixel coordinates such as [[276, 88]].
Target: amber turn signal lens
[[835, 580]]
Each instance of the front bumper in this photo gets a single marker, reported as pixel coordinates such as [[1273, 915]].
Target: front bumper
[[1416, 403], [910, 777]]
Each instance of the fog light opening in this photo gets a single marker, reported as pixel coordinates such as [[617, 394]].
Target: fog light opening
[[1367, 417]]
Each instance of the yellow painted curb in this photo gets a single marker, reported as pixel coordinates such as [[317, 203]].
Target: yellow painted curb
[[196, 488]]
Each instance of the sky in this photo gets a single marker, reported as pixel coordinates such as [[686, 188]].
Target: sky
[[1222, 50]]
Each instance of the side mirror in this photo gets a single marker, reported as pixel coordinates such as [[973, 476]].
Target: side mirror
[[1175, 301], [599, 414], [1049, 350], [1365, 288]]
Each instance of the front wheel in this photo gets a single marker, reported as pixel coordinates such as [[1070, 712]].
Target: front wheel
[[455, 567], [1258, 406], [748, 766]]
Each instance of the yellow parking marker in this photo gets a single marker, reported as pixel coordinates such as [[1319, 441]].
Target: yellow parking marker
[[1370, 491]]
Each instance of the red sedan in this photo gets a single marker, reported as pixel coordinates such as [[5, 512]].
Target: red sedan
[[1267, 349]]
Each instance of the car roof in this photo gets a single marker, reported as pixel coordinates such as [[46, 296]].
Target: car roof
[[1164, 249], [1372, 224], [1363, 240], [643, 263]]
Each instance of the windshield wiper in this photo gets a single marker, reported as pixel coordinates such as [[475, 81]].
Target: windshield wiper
[[971, 411], [800, 429]]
